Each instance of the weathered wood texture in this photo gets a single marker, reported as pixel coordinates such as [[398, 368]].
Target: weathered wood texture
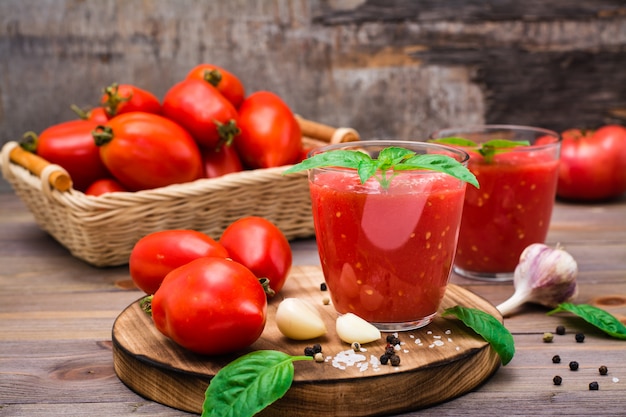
[[396, 68], [57, 312]]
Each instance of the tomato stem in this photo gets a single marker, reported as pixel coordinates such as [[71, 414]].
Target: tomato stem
[[227, 131], [213, 77], [30, 141], [265, 283], [146, 304], [113, 99], [102, 135]]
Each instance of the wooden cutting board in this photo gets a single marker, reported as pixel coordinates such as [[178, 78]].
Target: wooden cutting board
[[439, 362]]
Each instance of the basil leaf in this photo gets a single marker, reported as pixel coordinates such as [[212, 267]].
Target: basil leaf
[[456, 141], [489, 328], [602, 319], [249, 384], [505, 143], [390, 158], [440, 163]]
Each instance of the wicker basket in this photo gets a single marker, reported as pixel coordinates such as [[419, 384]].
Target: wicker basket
[[103, 230]]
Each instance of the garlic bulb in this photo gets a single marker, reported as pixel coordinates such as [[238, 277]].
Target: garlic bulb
[[299, 320], [545, 276], [352, 328]]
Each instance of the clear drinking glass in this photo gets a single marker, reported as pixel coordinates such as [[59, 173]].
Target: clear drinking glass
[[387, 253], [513, 207]]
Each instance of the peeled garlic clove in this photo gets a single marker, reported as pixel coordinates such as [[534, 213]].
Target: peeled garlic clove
[[352, 328], [299, 320]]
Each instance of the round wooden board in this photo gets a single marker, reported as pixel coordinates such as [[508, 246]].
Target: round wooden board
[[439, 362]]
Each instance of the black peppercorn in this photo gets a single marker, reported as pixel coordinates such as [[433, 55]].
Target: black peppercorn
[[384, 359], [580, 337], [308, 351], [603, 370], [560, 330], [394, 360], [573, 365], [323, 286], [392, 340], [593, 386], [390, 351], [557, 380], [317, 348], [556, 359]]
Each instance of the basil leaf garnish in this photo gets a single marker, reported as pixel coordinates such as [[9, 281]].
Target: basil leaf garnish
[[249, 384], [598, 317], [389, 159], [487, 149], [490, 328]]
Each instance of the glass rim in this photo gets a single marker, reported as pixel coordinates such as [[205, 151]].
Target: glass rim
[[462, 154], [478, 128]]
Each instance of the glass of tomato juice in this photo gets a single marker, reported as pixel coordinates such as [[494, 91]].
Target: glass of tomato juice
[[387, 253], [513, 207]]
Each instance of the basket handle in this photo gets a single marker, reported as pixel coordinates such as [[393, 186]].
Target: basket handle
[[319, 131], [58, 178]]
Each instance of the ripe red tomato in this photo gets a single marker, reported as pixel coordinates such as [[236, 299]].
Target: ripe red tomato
[[103, 186], [221, 161], [96, 114], [593, 164], [70, 145], [226, 82], [157, 254], [262, 247], [270, 134], [210, 306], [144, 150], [125, 98], [203, 111]]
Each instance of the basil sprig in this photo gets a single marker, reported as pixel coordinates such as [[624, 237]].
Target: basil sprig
[[249, 384], [392, 159], [487, 149], [598, 317], [490, 328]]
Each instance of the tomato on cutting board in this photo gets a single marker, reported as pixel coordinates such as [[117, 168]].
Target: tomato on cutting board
[[158, 253], [592, 164], [210, 306], [144, 150], [261, 246]]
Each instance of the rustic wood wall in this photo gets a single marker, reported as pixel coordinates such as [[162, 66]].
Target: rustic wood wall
[[395, 68]]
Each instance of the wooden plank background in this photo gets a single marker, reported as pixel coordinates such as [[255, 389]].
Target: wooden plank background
[[390, 69]]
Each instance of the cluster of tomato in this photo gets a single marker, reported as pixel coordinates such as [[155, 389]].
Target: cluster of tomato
[[592, 164], [211, 296], [204, 127]]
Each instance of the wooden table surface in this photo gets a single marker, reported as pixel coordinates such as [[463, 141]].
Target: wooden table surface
[[56, 316]]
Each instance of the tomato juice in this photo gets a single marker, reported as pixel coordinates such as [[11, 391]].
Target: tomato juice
[[387, 254], [511, 210]]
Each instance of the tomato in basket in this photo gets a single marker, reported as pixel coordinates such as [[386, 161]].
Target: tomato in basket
[[144, 151], [270, 134], [221, 161], [158, 253], [201, 109], [261, 246], [104, 186], [96, 114], [226, 82], [70, 145], [210, 306], [126, 98]]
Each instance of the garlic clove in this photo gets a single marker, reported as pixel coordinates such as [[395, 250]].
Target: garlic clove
[[299, 320], [352, 328], [545, 276]]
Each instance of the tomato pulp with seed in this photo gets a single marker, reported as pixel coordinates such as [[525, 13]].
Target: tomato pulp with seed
[[511, 210], [386, 254]]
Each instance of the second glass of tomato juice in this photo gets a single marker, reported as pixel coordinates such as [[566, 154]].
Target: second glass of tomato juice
[[387, 245], [517, 167]]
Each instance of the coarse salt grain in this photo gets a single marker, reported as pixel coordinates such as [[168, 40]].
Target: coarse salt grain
[[438, 343], [448, 331], [418, 341], [348, 358], [615, 379], [436, 337]]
